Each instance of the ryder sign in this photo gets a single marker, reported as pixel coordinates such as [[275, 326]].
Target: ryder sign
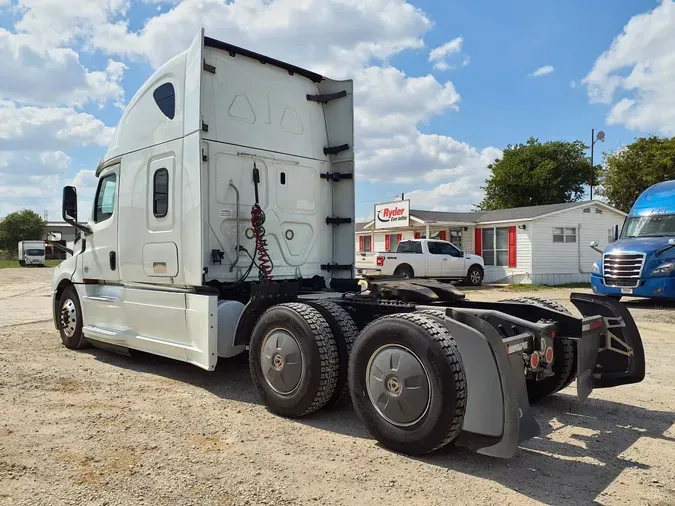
[[392, 214]]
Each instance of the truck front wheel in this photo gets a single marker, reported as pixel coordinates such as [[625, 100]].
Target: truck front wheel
[[70, 320], [407, 383], [293, 359], [475, 276]]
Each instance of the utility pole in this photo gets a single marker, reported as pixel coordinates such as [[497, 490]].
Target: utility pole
[[601, 138]]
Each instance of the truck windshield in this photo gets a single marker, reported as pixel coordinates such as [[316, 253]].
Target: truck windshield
[[657, 225], [35, 252]]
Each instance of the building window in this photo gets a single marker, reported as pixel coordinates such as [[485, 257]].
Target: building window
[[587, 210], [160, 193], [391, 242], [565, 234], [496, 246], [366, 243], [456, 238], [105, 198], [165, 98], [598, 210]]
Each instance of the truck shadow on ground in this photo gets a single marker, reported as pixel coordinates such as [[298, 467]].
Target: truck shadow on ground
[[580, 452]]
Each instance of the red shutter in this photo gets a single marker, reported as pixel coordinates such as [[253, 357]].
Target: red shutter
[[387, 242], [399, 237], [361, 241], [512, 246], [443, 235], [418, 235], [478, 243]]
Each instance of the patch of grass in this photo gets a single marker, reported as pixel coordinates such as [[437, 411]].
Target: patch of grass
[[535, 288], [14, 264]]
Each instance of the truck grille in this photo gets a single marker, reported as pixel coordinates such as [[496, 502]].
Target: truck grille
[[623, 270]]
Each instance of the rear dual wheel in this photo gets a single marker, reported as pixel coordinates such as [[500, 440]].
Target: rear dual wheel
[[407, 383], [299, 355]]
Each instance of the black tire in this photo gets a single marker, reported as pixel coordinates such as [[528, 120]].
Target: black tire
[[564, 351], [319, 362], [475, 276], [404, 270], [69, 319], [440, 422], [616, 297], [345, 332]]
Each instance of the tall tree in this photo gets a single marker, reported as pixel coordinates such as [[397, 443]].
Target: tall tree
[[24, 225], [632, 169], [537, 173]]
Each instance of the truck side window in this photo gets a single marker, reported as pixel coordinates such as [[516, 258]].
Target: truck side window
[[160, 193], [105, 198], [434, 248], [165, 97]]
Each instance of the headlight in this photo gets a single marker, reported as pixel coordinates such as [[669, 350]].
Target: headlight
[[596, 268], [663, 269]]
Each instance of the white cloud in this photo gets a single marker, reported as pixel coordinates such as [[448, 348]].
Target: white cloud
[[636, 75], [573, 84], [335, 37], [542, 71], [49, 128], [439, 55], [34, 75]]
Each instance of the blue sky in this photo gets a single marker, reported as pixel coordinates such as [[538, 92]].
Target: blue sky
[[442, 119]]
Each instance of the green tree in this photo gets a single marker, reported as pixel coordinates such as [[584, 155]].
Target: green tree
[[632, 169], [537, 173], [24, 225]]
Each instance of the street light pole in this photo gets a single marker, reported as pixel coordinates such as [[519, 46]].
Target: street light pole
[[592, 171], [594, 139]]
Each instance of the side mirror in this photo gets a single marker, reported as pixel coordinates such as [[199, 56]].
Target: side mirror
[[615, 232], [671, 242], [69, 209], [594, 245], [69, 204], [54, 236]]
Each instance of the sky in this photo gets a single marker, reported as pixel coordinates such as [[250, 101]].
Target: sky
[[441, 87]]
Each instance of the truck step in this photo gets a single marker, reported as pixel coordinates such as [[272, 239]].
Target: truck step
[[107, 333]]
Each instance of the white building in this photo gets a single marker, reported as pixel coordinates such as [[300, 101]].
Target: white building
[[539, 244]]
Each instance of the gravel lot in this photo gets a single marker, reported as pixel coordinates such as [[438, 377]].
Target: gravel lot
[[93, 427]]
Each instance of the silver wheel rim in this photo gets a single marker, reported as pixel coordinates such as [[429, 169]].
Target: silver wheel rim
[[69, 318], [398, 385], [475, 276], [281, 361]]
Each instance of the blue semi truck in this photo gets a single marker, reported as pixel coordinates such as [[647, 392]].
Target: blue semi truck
[[641, 260]]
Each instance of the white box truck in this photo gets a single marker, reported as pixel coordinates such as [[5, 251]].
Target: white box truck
[[223, 223], [32, 253]]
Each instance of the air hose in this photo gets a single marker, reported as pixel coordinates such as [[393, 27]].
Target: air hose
[[265, 264]]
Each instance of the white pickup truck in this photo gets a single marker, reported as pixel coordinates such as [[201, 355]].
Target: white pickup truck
[[423, 258]]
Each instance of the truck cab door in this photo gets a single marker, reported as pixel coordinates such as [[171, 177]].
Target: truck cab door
[[99, 258], [434, 259], [453, 261]]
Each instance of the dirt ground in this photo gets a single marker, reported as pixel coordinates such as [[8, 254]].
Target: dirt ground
[[93, 427]]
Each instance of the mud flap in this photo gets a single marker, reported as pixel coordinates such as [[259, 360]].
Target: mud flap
[[498, 415], [609, 353]]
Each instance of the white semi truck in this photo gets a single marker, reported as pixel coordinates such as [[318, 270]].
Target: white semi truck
[[223, 222], [31, 253]]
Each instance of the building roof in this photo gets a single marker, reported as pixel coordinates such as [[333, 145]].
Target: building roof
[[478, 217]]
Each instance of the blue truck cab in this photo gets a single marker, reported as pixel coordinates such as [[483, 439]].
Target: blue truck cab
[[641, 260]]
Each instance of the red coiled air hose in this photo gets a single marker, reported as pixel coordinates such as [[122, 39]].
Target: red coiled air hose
[[264, 260]]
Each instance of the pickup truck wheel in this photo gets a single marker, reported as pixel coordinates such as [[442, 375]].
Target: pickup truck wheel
[[69, 320], [564, 351], [407, 383], [404, 270], [475, 276], [293, 359], [345, 332]]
